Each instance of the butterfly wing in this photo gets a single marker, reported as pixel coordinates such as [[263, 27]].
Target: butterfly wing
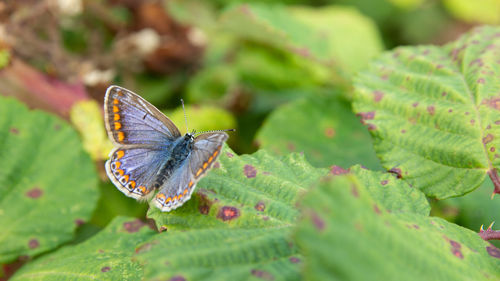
[[133, 170], [131, 120], [143, 137], [181, 184]]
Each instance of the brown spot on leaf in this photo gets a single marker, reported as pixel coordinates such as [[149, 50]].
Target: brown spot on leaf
[[444, 94], [472, 121], [396, 171], [488, 138], [229, 154], [450, 110], [290, 146], [372, 127], [416, 226], [378, 95], [493, 103], [431, 109], [33, 243], [227, 213], [177, 278], [34, 193], [79, 222], [105, 269], [250, 171], [133, 226], [492, 149], [366, 116], [329, 132], [318, 222], [216, 165], [337, 170], [260, 206], [403, 131], [57, 127], [354, 191], [415, 104], [294, 260], [14, 131], [467, 113], [493, 251], [262, 274], [376, 209], [384, 182], [456, 249], [480, 81]]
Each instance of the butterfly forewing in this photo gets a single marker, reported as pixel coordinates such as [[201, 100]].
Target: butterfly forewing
[[131, 120], [181, 184]]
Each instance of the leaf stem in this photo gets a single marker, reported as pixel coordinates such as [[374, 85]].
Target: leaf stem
[[495, 179]]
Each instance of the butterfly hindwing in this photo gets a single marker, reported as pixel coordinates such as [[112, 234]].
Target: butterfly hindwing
[[131, 120], [181, 184], [133, 170]]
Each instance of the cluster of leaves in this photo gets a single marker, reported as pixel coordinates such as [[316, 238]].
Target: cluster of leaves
[[432, 113]]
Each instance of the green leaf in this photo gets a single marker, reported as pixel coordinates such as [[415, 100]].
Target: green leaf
[[48, 184], [324, 128], [346, 234], [221, 254], [237, 224], [479, 11], [105, 256], [333, 36], [392, 193], [433, 112], [247, 191], [4, 58]]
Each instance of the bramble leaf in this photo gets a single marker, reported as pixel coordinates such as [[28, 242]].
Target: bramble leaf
[[324, 128], [48, 185], [105, 256], [347, 234], [237, 224], [433, 112]]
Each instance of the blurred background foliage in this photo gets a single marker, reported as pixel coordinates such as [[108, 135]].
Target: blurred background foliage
[[278, 71]]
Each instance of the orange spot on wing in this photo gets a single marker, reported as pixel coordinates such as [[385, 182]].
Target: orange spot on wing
[[168, 200], [118, 164], [210, 159], [160, 196], [119, 93], [115, 101], [126, 177], [199, 172], [215, 153], [119, 154], [190, 184], [179, 196], [185, 191], [205, 165], [175, 198], [115, 109], [142, 189], [121, 172], [121, 136], [118, 126], [117, 116], [132, 184]]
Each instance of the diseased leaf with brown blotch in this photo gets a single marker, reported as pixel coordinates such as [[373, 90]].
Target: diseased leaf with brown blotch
[[434, 112], [48, 184], [347, 233]]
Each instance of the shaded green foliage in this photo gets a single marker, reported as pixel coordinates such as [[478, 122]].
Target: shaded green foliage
[[44, 176]]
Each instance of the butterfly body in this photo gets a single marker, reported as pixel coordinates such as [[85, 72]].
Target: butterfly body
[[150, 153]]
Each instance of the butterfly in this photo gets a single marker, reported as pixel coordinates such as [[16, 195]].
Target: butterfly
[[150, 153]]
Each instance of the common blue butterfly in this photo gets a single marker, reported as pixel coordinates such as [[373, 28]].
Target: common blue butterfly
[[150, 153]]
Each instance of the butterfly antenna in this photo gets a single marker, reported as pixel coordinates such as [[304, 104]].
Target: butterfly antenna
[[213, 131], [185, 116]]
